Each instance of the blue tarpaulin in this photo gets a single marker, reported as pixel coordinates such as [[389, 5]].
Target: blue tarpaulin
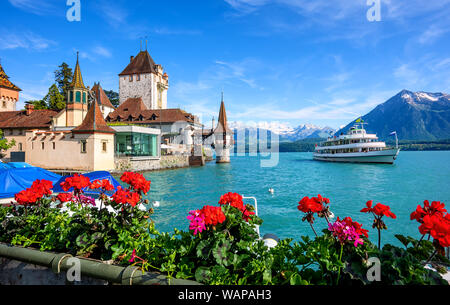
[[4, 166], [100, 175], [14, 180], [19, 165]]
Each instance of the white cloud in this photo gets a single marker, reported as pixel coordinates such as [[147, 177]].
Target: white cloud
[[26, 40], [432, 33], [41, 7], [407, 75], [102, 51]]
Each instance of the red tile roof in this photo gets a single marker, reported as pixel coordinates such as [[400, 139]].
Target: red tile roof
[[5, 82], [101, 96], [20, 119], [93, 122], [142, 63], [135, 109]]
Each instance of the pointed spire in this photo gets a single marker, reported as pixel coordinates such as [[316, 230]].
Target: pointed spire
[[77, 81], [222, 123]]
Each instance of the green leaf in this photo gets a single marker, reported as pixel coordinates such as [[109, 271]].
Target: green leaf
[[203, 274]]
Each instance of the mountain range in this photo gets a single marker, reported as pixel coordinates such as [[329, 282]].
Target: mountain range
[[413, 115], [284, 131]]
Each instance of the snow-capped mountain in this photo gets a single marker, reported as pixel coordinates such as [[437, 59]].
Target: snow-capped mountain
[[414, 115], [285, 131]]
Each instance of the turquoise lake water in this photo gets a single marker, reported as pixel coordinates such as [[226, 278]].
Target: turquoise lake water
[[414, 177]]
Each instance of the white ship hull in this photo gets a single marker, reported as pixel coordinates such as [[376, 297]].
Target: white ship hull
[[384, 156]]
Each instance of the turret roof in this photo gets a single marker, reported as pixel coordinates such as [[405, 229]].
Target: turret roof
[[5, 82], [93, 122]]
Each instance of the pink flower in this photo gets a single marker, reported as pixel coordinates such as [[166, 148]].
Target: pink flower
[[345, 231], [133, 256], [197, 221]]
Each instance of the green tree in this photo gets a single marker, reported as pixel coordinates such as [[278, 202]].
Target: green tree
[[5, 144], [63, 77], [113, 97], [54, 99], [38, 104]]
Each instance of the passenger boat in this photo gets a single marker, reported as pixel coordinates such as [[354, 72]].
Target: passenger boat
[[356, 146]]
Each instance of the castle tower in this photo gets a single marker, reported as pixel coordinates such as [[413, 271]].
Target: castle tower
[[9, 93], [223, 136], [77, 99], [96, 139], [142, 78]]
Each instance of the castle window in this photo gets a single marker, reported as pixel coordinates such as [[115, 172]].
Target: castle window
[[104, 146], [78, 97], [54, 145], [4, 104], [20, 146], [43, 145], [84, 97], [131, 78], [71, 96], [83, 147]]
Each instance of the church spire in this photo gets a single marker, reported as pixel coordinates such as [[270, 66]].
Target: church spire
[[222, 123], [77, 81]]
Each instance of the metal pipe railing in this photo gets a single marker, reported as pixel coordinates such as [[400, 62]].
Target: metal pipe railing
[[58, 262]]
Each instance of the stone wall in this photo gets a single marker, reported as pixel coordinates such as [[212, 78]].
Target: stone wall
[[148, 164]]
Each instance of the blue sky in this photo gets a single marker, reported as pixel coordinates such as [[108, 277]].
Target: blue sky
[[289, 61]]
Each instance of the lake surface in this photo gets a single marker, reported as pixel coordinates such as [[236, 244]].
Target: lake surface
[[414, 177]]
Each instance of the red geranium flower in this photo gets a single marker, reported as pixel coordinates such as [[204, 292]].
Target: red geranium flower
[[27, 197], [42, 187], [246, 214], [438, 227], [125, 196], [358, 227], [309, 205], [212, 215], [436, 207], [64, 197], [233, 199], [78, 182], [102, 184], [379, 210], [136, 181]]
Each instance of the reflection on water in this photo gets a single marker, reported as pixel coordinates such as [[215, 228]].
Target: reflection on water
[[416, 176]]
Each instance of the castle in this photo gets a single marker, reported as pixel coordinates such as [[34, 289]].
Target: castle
[[90, 134], [144, 79]]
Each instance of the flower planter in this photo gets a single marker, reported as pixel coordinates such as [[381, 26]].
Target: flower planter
[[28, 266]]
